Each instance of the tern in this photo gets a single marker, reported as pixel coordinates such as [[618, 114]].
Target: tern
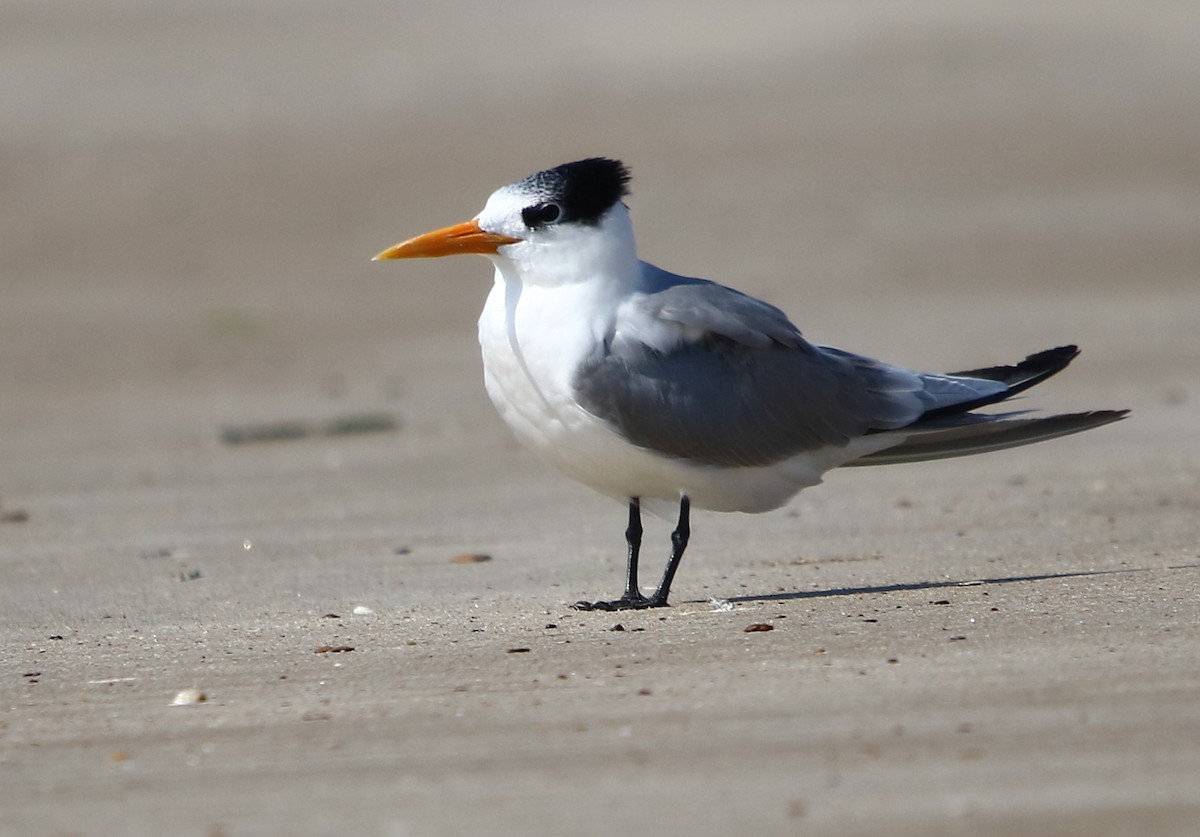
[[648, 386]]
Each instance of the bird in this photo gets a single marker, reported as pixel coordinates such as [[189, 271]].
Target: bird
[[654, 388]]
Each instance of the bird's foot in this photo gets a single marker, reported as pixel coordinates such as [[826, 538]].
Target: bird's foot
[[626, 602]]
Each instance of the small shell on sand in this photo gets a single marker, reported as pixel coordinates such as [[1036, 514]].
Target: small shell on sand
[[189, 697]]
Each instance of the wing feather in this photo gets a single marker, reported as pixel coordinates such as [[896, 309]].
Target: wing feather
[[737, 385], [694, 370]]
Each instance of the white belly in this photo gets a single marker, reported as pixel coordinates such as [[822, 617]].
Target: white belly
[[532, 340]]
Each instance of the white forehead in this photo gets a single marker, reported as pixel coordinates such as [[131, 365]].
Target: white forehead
[[502, 212]]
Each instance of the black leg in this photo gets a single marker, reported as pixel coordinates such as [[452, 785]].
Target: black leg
[[633, 537], [633, 598], [679, 542]]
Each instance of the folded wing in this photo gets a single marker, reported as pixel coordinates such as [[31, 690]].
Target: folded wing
[[698, 371]]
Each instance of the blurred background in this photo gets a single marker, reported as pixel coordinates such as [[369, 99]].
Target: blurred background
[[190, 194]]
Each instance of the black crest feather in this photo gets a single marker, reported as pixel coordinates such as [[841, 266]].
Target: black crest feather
[[584, 189]]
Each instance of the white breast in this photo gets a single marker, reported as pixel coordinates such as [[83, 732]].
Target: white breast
[[533, 339]]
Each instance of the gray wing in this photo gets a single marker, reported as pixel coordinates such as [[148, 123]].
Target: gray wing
[[715, 308], [746, 389]]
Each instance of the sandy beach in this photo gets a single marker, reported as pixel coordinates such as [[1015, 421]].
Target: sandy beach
[[190, 195]]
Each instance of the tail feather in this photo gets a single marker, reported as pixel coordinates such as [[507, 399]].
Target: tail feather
[[979, 434]]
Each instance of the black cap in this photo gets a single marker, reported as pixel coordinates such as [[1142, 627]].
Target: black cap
[[583, 190]]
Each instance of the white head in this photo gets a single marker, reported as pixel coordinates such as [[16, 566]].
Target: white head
[[562, 225]]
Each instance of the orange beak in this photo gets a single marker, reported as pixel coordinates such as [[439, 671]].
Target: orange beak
[[466, 237]]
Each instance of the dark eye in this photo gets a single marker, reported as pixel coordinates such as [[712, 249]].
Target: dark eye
[[541, 214]]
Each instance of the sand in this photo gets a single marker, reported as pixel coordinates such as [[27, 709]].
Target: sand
[[190, 197]]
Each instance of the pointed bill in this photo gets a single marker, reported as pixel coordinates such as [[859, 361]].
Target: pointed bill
[[466, 237]]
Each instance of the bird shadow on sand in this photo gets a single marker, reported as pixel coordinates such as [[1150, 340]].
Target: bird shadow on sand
[[937, 585]]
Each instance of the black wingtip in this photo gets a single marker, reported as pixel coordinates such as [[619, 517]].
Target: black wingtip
[[1031, 371], [1017, 378]]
